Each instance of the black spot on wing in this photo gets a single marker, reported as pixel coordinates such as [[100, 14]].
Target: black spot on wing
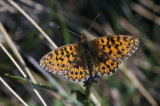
[[102, 41], [112, 40]]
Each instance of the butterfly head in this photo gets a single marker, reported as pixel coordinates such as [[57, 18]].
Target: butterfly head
[[84, 41], [84, 38]]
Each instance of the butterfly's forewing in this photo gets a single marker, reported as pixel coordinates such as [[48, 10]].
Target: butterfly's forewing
[[116, 47], [60, 60], [110, 50]]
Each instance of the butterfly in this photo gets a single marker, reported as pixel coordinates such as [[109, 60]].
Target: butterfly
[[90, 58]]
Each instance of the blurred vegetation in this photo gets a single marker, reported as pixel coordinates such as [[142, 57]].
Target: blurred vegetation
[[133, 17]]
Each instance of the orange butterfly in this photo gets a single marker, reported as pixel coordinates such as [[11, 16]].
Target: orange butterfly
[[87, 59]]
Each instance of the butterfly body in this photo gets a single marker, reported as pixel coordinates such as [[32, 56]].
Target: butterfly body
[[90, 58], [86, 48]]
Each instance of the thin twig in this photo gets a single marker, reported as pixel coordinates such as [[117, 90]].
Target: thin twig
[[14, 93], [33, 22]]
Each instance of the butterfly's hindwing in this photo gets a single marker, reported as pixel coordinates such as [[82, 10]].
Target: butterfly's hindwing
[[107, 67], [79, 70]]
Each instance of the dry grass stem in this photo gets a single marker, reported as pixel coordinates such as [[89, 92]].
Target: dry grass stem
[[12, 59], [33, 4], [46, 74], [33, 22], [24, 75], [137, 83], [151, 5], [14, 93], [145, 13], [16, 52], [130, 28], [7, 7], [146, 65]]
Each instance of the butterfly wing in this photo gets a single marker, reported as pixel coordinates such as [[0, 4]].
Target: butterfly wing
[[107, 67], [79, 70], [58, 61], [116, 47], [67, 60], [110, 50]]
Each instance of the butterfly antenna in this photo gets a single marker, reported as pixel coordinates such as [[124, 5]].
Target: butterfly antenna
[[69, 31], [94, 21]]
